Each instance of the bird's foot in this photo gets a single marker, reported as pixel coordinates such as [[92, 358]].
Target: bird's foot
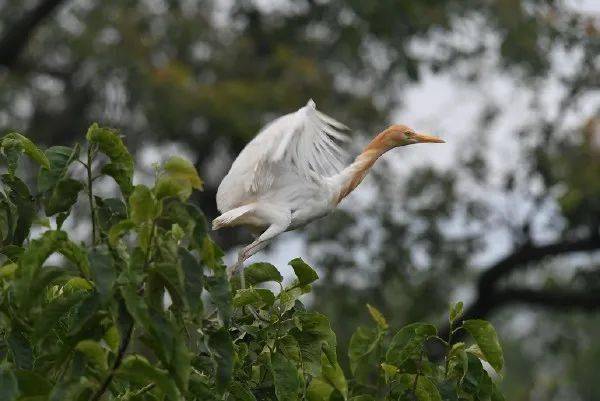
[[234, 269]]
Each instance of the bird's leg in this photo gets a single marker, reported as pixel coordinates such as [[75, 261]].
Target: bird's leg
[[240, 262], [258, 244], [235, 267], [277, 220]]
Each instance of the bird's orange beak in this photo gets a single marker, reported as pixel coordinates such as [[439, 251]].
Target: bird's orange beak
[[424, 138]]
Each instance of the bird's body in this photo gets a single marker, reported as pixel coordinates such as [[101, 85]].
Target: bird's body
[[292, 173], [267, 176]]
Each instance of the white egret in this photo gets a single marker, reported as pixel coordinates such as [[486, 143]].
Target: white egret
[[292, 173]]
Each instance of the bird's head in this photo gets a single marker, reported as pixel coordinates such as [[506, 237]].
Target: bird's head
[[401, 135]]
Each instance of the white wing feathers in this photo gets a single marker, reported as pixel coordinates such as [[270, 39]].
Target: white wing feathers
[[304, 141]]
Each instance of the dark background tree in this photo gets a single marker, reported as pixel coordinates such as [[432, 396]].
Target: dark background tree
[[521, 235]]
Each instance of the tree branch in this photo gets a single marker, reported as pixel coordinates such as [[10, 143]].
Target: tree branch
[[488, 295], [117, 363], [528, 253], [556, 299], [18, 34]]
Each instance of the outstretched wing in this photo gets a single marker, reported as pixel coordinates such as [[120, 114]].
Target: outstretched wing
[[304, 142]]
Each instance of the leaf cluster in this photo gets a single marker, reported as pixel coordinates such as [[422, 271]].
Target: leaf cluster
[[145, 310]]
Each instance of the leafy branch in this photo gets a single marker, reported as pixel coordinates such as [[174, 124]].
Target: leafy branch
[[146, 310]]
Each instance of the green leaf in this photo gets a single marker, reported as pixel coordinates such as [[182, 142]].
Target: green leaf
[[60, 219], [458, 362], [313, 334], [212, 255], [408, 342], [456, 311], [377, 317], [222, 348], [240, 392], [136, 306], [267, 297], [425, 390], [12, 252], [8, 271], [112, 338], [143, 205], [487, 340], [118, 230], [76, 255], [360, 352], [60, 157], [200, 226], [102, 270], [121, 166], [172, 278], [84, 313], [363, 341], [319, 390], [258, 273], [34, 256], [362, 398], [288, 345], [258, 297], [194, 280], [94, 352], [165, 336], [289, 296], [20, 349], [220, 292], [53, 313], [49, 275], [285, 378], [9, 389], [178, 179], [72, 388], [174, 353], [27, 146], [180, 368], [188, 217], [110, 212], [12, 150], [477, 382], [247, 296], [77, 284], [389, 371], [8, 222], [32, 384], [137, 368], [63, 196], [200, 388], [19, 196], [304, 272], [496, 394], [332, 372]]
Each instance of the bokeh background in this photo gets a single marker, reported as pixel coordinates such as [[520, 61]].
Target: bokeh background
[[505, 216]]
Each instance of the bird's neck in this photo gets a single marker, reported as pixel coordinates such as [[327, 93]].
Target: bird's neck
[[350, 177]]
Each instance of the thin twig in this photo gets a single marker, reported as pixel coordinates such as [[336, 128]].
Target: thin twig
[[116, 364], [149, 248], [88, 167], [448, 348], [143, 390], [414, 389]]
